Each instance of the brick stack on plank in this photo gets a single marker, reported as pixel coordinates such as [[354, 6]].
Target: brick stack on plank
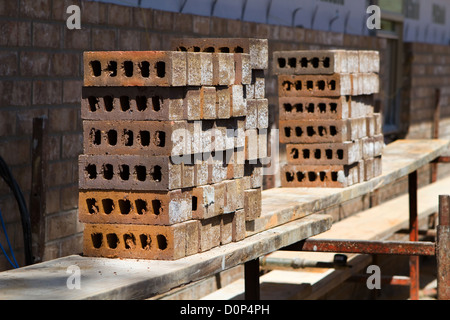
[[164, 172], [333, 137]]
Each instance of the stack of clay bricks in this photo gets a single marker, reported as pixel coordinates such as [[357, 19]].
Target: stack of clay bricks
[[326, 117], [169, 168]]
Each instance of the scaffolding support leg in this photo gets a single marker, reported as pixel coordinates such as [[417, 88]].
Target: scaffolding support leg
[[251, 273], [443, 249], [413, 235]]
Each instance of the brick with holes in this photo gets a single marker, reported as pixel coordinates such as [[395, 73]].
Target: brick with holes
[[322, 176], [309, 108], [325, 153], [315, 85], [203, 202], [141, 241], [130, 207], [129, 172], [134, 68]]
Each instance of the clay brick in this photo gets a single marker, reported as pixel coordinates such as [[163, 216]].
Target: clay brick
[[150, 138], [369, 61], [134, 68], [368, 147], [219, 197], [230, 196], [301, 131], [309, 108], [368, 169], [141, 241], [128, 172], [238, 163], [135, 103], [257, 48], [188, 175], [315, 85], [238, 225], [217, 168], [325, 153], [129, 207], [239, 133], [209, 233], [259, 84], [238, 101], [262, 113], [243, 70], [377, 166], [226, 228], [361, 106], [201, 172], [199, 69], [310, 62], [378, 141], [223, 102], [192, 104], [251, 120], [251, 144], [252, 204], [255, 172], [208, 99], [263, 141], [223, 69], [329, 176], [370, 129], [378, 123], [203, 202]]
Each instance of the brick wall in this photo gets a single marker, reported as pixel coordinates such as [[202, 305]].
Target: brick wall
[[41, 75]]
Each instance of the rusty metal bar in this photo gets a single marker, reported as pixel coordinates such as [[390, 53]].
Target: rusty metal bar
[[413, 235], [443, 249], [436, 116], [409, 248], [387, 280], [251, 275], [442, 159]]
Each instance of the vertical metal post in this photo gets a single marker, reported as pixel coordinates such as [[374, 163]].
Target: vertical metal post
[[436, 116], [443, 249], [251, 273], [413, 235]]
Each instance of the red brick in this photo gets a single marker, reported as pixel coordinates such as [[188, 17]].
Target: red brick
[[182, 22], [8, 63], [143, 18], [309, 108], [69, 197], [119, 15], [199, 69], [15, 33], [47, 92], [63, 119], [72, 91], [94, 13], [226, 228], [314, 85], [129, 207], [35, 63], [200, 25], [9, 8], [36, 8], [209, 233], [59, 9], [103, 39], [60, 173], [238, 225], [62, 225], [129, 40], [46, 35], [252, 204], [203, 202], [141, 241], [325, 153], [223, 69], [64, 64]]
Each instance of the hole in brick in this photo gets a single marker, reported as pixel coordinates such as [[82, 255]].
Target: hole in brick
[[128, 137], [224, 49], [321, 85], [292, 62], [315, 62], [299, 107], [160, 69], [128, 68], [298, 85], [322, 107], [96, 136], [181, 49], [112, 137], [124, 103], [156, 206], [144, 137], [112, 240], [124, 206], [332, 85], [322, 131], [96, 68], [294, 153], [97, 240], [93, 103], [162, 242], [144, 66], [160, 139], [194, 203], [304, 63], [310, 108], [109, 103], [333, 107], [317, 154], [310, 131], [156, 173], [298, 131], [124, 172], [141, 103], [300, 176], [196, 49], [287, 85], [309, 85], [112, 68], [141, 206], [312, 176], [340, 154], [326, 62], [322, 176], [146, 241], [289, 176], [306, 154], [92, 207], [333, 130], [334, 176], [91, 170], [287, 131], [141, 172], [282, 62], [156, 103], [209, 49], [238, 50], [108, 172], [329, 154], [129, 240], [108, 205], [287, 107]]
